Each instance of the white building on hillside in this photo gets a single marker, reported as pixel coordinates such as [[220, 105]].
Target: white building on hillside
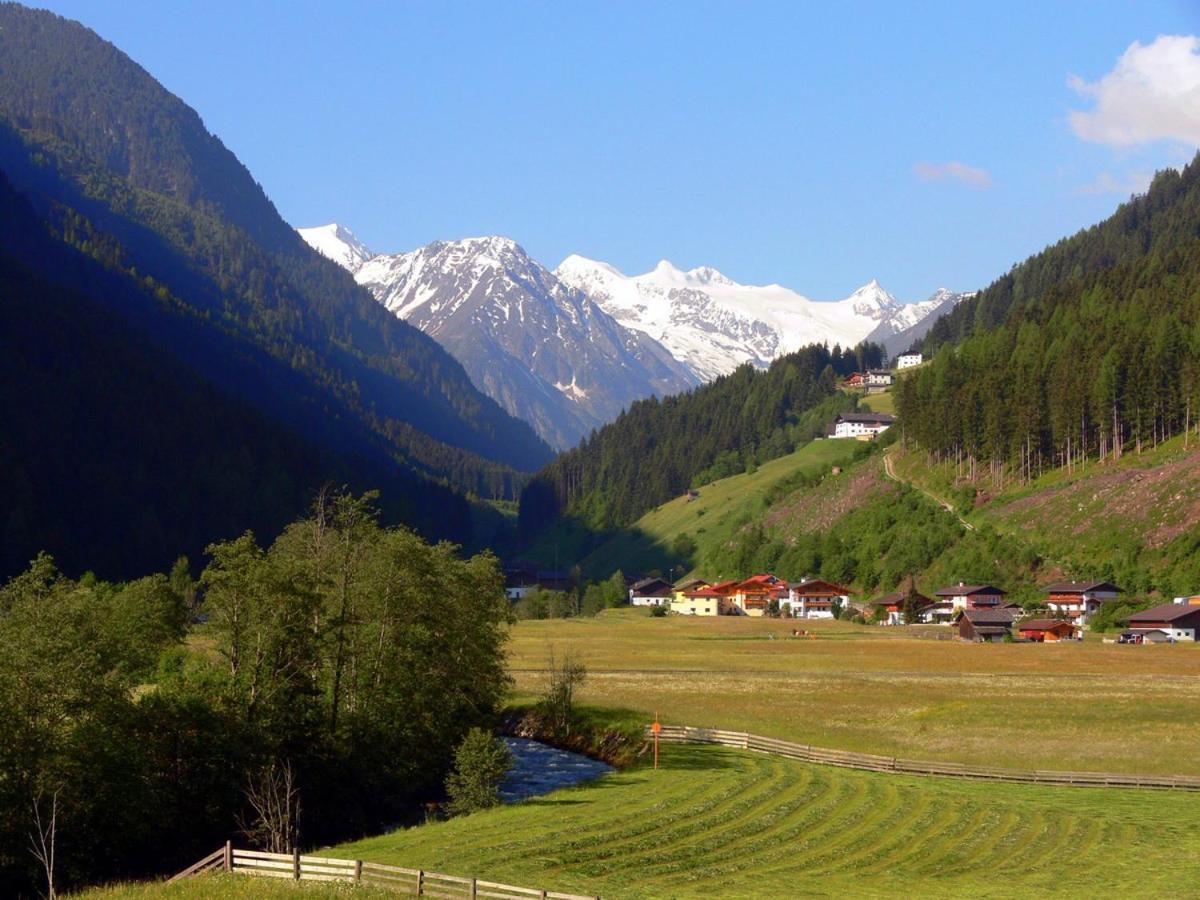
[[863, 426], [908, 360]]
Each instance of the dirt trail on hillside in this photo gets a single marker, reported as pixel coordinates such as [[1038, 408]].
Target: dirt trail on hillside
[[944, 504]]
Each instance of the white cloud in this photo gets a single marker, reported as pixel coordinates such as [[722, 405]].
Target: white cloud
[[1125, 185], [953, 171], [1152, 94]]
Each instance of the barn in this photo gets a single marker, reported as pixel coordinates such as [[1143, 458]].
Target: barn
[[1176, 621], [984, 625], [1047, 630]]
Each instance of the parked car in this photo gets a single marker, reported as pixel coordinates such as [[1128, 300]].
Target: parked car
[[1128, 637]]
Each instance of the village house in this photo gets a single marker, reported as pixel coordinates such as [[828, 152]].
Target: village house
[[522, 579], [814, 599], [878, 380], [984, 625], [726, 592], [1047, 630], [754, 595], [908, 360], [863, 426], [890, 607], [1075, 601], [972, 596], [700, 601], [651, 592], [854, 380], [1168, 621]]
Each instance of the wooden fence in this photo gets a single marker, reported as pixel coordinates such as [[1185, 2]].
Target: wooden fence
[[874, 763], [416, 882]]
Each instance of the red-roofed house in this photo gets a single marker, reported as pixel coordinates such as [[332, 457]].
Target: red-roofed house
[[755, 594], [1075, 601]]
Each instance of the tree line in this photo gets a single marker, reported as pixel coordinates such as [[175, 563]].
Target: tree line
[[322, 695], [1086, 352]]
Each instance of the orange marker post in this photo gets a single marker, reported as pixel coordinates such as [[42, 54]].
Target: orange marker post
[[655, 729]]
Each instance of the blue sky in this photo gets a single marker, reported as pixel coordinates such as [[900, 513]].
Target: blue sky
[[816, 145]]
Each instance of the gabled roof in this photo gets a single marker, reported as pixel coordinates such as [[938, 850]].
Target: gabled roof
[[1081, 587], [705, 592], [725, 587], [966, 590], [988, 616], [816, 585], [1165, 612], [647, 585], [1043, 624], [692, 584], [897, 598]]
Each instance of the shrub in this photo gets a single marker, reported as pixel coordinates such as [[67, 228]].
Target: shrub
[[480, 764]]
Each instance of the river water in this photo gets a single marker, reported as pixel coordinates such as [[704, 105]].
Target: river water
[[539, 769]]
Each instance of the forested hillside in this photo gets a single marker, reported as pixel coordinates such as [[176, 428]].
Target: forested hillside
[[659, 448], [192, 265], [1088, 350]]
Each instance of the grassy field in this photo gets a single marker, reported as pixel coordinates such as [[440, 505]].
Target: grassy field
[[879, 403], [721, 507], [718, 822], [882, 690]]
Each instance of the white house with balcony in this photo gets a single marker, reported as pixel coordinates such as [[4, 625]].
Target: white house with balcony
[[863, 426]]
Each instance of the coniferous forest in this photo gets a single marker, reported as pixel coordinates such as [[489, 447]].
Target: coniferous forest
[[1088, 350], [658, 449]]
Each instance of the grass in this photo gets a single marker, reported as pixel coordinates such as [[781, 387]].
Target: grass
[[721, 508], [231, 887], [1087, 705], [879, 403], [719, 822]]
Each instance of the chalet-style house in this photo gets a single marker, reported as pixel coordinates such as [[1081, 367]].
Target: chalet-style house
[[973, 596], [863, 426], [929, 611], [814, 599], [1169, 621], [908, 360], [854, 380], [1047, 630], [754, 595], [1075, 601], [651, 592], [984, 625]]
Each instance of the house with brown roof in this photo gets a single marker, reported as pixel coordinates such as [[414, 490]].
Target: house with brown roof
[[651, 592], [1075, 601], [984, 625], [814, 598], [1176, 621], [753, 596], [972, 596], [1047, 630]]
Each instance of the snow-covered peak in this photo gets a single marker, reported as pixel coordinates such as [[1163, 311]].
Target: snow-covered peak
[[871, 299], [337, 242]]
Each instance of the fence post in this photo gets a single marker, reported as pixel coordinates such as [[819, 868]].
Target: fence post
[[228, 861], [358, 870], [473, 889], [420, 881], [296, 863]]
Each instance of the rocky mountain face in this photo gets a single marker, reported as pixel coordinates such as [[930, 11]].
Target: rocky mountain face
[[713, 324], [544, 351], [901, 333]]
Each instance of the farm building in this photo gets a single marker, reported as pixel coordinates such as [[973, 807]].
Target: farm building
[[1175, 621], [814, 599], [1075, 601], [1047, 630], [521, 580], [651, 592], [908, 360], [984, 625], [863, 426], [973, 596], [878, 378]]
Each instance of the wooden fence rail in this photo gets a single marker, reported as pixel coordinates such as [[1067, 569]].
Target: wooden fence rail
[[874, 763], [416, 882]]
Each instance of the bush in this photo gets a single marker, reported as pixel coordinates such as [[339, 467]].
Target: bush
[[480, 764]]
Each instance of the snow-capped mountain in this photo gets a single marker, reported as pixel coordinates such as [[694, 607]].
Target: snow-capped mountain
[[544, 351], [916, 324], [338, 243], [713, 324]]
